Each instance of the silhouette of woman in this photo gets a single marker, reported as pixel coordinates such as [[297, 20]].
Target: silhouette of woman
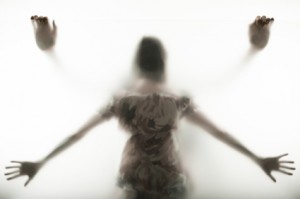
[[150, 167]]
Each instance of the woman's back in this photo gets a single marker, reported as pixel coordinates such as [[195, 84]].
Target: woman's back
[[150, 164]]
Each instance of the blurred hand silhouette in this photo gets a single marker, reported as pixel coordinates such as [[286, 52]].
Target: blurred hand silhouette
[[29, 169], [274, 164]]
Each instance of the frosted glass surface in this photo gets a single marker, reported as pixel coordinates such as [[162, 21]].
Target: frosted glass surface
[[47, 96]]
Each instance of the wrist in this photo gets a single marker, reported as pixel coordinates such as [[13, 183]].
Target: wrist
[[256, 159], [41, 163]]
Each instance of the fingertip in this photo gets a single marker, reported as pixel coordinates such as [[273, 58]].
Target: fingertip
[[272, 178], [285, 154], [26, 183]]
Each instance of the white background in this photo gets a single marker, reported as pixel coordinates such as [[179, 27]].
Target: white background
[[47, 96]]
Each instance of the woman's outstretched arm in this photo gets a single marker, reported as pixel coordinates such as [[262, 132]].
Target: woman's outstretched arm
[[267, 164], [31, 168], [94, 121]]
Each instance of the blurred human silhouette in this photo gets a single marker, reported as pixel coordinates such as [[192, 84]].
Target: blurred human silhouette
[[150, 166], [45, 36], [259, 31]]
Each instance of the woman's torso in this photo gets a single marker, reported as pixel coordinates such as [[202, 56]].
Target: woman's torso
[[150, 161]]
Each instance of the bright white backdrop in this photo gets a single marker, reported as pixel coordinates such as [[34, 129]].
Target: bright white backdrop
[[47, 96]]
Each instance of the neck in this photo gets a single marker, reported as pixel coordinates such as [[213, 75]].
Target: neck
[[144, 85]]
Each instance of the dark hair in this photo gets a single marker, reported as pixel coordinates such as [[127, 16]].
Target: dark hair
[[150, 59]]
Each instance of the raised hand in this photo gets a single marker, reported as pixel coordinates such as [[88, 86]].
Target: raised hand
[[21, 169], [274, 164], [259, 31], [45, 35]]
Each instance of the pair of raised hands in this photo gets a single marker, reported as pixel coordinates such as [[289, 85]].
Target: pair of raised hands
[[268, 165]]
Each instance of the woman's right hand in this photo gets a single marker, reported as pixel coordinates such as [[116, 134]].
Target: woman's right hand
[[29, 169], [275, 164]]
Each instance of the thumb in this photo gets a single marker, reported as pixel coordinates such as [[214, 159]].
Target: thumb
[[269, 174], [27, 182]]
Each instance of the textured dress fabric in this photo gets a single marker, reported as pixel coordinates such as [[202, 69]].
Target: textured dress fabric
[[150, 165]]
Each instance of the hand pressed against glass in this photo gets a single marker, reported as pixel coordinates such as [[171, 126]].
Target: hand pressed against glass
[[45, 35]]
